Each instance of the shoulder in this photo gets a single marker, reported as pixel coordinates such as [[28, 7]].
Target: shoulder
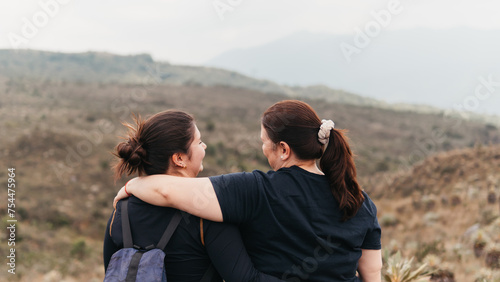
[[239, 178], [368, 206]]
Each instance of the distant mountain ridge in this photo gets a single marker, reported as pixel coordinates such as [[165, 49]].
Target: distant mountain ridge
[[424, 66], [142, 69], [100, 67]]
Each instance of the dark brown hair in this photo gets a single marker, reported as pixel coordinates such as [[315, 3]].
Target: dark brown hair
[[151, 143], [297, 124]]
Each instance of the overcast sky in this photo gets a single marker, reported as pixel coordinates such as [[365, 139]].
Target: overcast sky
[[192, 32]]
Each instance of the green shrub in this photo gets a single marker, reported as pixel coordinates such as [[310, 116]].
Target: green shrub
[[210, 125], [79, 249], [424, 249], [388, 219]]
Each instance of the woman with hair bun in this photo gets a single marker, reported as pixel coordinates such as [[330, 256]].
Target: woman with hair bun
[[169, 143], [299, 222]]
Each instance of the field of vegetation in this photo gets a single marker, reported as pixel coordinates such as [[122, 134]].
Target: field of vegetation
[[435, 178]]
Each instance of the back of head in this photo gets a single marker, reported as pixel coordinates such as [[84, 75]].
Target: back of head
[[151, 143], [297, 124]]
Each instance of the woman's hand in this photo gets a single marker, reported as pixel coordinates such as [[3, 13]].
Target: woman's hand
[[121, 195], [125, 192]]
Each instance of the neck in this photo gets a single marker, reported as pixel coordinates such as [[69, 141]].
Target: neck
[[307, 165], [175, 171]]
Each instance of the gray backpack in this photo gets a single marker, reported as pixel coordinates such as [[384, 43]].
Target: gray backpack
[[133, 263]]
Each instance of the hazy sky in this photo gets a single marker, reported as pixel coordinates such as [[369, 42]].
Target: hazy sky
[[192, 32]]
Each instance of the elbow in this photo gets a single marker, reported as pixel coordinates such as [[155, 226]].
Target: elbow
[[371, 271], [373, 274]]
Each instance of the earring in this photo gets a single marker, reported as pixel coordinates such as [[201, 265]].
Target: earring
[[281, 157]]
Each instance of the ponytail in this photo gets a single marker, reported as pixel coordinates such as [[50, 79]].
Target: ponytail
[[297, 124], [338, 165]]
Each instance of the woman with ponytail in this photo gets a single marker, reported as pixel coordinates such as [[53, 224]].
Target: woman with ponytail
[[169, 143], [299, 222]]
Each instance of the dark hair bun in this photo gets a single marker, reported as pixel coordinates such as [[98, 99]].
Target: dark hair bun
[[151, 143], [132, 153]]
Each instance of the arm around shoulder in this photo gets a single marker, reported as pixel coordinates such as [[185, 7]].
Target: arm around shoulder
[[370, 265], [193, 195]]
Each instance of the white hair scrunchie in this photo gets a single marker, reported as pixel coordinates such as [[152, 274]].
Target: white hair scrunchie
[[324, 131]]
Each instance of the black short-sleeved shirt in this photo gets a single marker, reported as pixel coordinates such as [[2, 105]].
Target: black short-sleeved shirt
[[291, 224], [187, 259]]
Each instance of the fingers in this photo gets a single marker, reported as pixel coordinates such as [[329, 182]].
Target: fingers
[[120, 195]]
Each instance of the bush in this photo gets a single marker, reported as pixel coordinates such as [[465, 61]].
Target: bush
[[492, 197], [487, 275], [429, 202], [210, 125], [424, 249], [430, 218], [211, 151], [400, 270], [382, 166], [90, 118], [456, 200], [104, 164], [443, 275], [488, 216], [493, 256], [79, 249], [480, 240], [388, 219]]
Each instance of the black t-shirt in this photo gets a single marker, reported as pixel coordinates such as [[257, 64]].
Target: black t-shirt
[[187, 259], [291, 224]]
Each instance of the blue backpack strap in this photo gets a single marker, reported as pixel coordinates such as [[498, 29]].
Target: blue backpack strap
[[127, 233], [176, 219]]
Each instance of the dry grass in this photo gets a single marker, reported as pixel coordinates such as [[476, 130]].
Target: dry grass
[[442, 229], [59, 135]]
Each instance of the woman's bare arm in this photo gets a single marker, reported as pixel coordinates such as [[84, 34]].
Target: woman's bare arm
[[193, 195], [370, 266]]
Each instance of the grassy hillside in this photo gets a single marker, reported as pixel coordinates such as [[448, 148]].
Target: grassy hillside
[[58, 135], [60, 118], [446, 211]]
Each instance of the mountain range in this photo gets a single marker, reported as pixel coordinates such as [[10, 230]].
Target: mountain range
[[440, 68], [98, 67]]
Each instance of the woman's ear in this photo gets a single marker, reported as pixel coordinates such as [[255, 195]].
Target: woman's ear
[[177, 160], [284, 150]]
